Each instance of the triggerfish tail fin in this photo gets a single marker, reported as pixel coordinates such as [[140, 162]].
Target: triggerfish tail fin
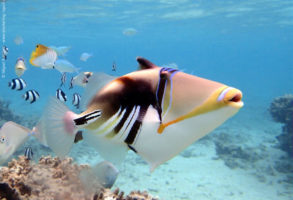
[[58, 127]]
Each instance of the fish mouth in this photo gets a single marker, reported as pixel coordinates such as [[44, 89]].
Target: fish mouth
[[233, 98]]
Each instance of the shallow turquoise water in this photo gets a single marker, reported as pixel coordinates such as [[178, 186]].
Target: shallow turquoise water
[[245, 44]]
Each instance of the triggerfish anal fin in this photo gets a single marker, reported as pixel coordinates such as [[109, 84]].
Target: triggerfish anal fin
[[144, 63], [207, 106], [40, 50], [164, 90]]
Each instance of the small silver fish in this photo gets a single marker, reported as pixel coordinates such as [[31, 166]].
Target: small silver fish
[[28, 153], [76, 100], [63, 79]]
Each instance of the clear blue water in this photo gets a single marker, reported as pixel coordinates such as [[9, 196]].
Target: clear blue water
[[246, 44]]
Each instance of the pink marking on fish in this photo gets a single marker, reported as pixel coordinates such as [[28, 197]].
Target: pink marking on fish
[[68, 122]]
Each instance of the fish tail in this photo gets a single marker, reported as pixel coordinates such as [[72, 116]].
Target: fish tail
[[58, 127]]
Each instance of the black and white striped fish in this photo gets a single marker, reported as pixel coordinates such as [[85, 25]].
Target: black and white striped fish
[[61, 95], [63, 79], [17, 84], [28, 153], [76, 100], [31, 96]]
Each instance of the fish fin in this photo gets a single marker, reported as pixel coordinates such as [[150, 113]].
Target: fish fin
[[95, 83], [144, 63], [36, 132], [110, 150], [58, 127], [13, 135], [102, 174], [106, 173]]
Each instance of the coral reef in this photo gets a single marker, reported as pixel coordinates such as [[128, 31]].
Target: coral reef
[[53, 178], [235, 153], [281, 110]]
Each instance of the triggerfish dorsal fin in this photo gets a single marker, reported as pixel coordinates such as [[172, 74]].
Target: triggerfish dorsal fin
[[95, 82], [145, 64]]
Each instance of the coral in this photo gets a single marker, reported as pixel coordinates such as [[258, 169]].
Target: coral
[[281, 110], [53, 178], [234, 153]]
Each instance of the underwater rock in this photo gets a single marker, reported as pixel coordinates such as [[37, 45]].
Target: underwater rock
[[53, 178], [281, 110], [235, 154]]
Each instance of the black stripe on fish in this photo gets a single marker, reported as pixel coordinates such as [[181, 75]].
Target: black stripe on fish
[[123, 120], [63, 79], [61, 95], [88, 118], [71, 83], [76, 100], [136, 126], [133, 149], [135, 94], [28, 153], [165, 74]]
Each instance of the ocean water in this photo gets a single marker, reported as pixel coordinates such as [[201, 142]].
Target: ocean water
[[245, 44]]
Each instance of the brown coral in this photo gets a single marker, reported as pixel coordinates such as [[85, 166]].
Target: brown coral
[[56, 179]]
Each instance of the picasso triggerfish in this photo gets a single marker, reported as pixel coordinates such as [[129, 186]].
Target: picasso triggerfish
[[156, 112]]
